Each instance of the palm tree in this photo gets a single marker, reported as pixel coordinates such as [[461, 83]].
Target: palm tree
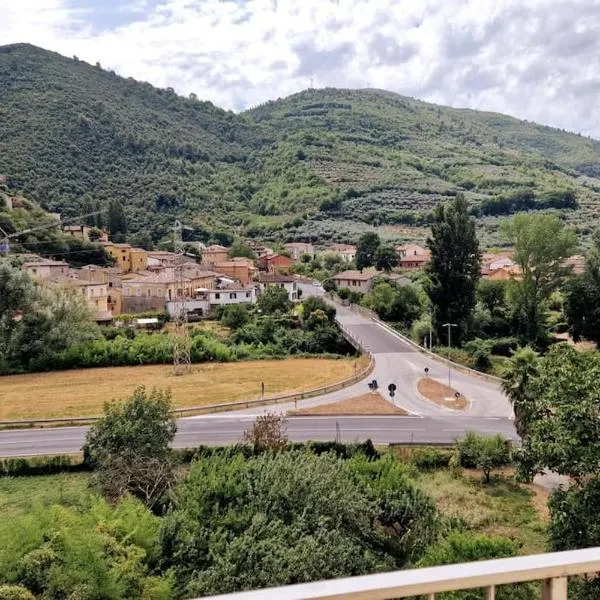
[[517, 375]]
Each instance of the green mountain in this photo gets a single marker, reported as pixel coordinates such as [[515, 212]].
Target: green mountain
[[322, 164]]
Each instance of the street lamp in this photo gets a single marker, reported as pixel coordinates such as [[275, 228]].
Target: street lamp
[[449, 326]]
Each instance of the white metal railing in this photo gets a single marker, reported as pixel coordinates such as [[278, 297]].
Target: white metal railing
[[551, 569]]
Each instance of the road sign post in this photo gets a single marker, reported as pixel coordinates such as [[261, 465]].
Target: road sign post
[[392, 390]]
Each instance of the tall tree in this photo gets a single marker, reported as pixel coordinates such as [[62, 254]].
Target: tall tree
[[366, 249], [582, 301], [454, 268], [117, 223], [542, 242], [386, 258]]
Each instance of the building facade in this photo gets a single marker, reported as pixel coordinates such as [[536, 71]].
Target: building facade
[[358, 281]]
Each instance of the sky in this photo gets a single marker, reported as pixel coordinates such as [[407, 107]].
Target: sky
[[535, 59]]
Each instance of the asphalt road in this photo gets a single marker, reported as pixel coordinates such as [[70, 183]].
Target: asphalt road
[[396, 361], [229, 429]]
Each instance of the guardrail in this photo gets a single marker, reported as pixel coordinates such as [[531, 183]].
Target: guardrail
[[222, 407], [551, 569]]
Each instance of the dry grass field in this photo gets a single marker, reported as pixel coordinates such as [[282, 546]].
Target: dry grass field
[[81, 393]]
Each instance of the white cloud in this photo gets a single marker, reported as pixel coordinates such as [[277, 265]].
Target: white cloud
[[536, 59]]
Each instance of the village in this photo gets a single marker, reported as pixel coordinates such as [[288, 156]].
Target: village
[[143, 281]]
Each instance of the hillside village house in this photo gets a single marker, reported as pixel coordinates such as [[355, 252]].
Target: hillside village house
[[412, 256], [42, 268], [214, 254], [152, 290], [297, 249], [286, 282], [111, 277], [127, 259], [203, 301], [505, 274], [240, 270], [96, 295], [493, 262], [162, 258], [357, 281], [275, 264], [82, 232], [346, 251]]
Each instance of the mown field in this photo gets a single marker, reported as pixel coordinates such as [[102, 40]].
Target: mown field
[[83, 392]]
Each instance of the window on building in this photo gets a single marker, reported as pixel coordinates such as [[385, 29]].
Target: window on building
[[217, 296], [138, 292], [159, 292], [127, 291], [233, 296], [149, 293], [247, 294]]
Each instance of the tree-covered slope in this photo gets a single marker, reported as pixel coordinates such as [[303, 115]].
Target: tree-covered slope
[[392, 158], [324, 164]]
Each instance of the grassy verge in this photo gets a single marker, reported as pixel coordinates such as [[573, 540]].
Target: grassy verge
[[502, 507], [82, 392]]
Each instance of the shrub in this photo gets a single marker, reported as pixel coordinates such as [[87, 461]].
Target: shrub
[[485, 453], [39, 465], [460, 547], [480, 351], [428, 459], [15, 592], [344, 293], [268, 433]]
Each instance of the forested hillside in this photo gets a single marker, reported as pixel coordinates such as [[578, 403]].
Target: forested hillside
[[321, 164]]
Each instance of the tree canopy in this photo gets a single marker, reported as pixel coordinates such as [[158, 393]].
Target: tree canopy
[[366, 250], [454, 268], [542, 243]]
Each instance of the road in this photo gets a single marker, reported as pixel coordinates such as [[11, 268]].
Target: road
[[229, 429], [396, 361]]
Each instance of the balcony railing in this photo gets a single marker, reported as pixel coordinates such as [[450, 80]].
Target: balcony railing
[[552, 569]]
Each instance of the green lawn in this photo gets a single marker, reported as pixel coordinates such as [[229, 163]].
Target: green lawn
[[18, 495]]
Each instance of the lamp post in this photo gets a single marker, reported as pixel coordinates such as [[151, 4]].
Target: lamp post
[[449, 326]]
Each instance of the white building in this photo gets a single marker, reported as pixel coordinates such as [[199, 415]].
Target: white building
[[283, 281], [205, 300]]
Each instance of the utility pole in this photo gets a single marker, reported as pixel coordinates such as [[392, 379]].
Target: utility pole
[[449, 326], [182, 362]]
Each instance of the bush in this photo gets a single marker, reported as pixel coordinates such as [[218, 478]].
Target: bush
[[459, 547], [485, 453], [504, 346], [15, 592], [480, 351], [39, 465], [344, 293], [429, 459]]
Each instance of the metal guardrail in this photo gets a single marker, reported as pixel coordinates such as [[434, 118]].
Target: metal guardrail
[[551, 569]]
